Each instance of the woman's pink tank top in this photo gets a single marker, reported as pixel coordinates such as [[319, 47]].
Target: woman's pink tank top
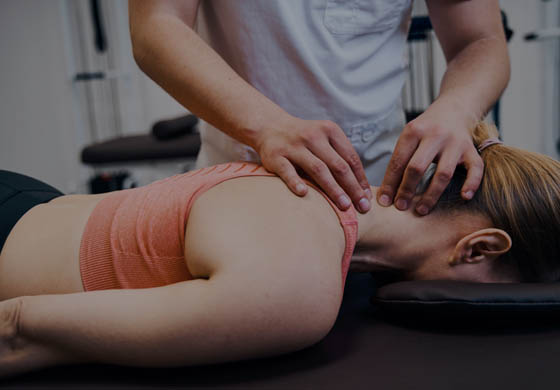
[[135, 238]]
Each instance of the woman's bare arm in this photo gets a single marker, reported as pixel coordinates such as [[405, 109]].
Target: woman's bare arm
[[188, 323]]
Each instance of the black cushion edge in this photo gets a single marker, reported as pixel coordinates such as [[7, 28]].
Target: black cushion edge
[[448, 297], [467, 303], [141, 148], [444, 290], [175, 127]]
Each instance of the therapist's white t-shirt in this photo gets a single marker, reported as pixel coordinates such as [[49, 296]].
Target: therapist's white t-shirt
[[342, 60]]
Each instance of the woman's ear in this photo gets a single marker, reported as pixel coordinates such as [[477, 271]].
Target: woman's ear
[[484, 244]]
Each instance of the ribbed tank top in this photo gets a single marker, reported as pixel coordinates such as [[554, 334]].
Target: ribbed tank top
[[135, 238]]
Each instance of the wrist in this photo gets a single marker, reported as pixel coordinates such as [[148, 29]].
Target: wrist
[[21, 329], [21, 340], [11, 319], [262, 123], [12, 346], [32, 349], [463, 112]]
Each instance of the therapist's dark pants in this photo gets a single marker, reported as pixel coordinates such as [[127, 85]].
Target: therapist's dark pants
[[18, 194]]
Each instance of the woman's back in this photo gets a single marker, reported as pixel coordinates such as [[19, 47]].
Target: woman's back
[[48, 238]]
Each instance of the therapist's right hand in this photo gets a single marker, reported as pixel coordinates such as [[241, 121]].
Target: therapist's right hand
[[321, 150]]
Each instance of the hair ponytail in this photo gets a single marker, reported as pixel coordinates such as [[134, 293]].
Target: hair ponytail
[[482, 132]]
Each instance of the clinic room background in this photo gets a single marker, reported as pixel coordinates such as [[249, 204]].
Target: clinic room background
[[68, 81]]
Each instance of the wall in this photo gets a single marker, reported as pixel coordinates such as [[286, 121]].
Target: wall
[[36, 132], [523, 124], [41, 115]]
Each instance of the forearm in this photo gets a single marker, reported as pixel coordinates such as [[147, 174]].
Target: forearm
[[476, 77], [198, 78]]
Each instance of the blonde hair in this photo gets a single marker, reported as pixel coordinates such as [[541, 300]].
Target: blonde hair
[[519, 193]]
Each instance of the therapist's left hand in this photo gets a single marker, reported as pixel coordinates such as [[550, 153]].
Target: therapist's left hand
[[442, 134]]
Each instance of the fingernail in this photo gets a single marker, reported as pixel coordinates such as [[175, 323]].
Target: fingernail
[[364, 204], [344, 201], [469, 194], [368, 193], [401, 204], [422, 210], [300, 188], [385, 200]]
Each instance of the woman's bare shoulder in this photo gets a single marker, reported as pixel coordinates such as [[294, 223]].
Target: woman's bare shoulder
[[257, 223]]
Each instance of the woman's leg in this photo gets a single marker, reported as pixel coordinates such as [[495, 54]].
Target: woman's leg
[[18, 194]]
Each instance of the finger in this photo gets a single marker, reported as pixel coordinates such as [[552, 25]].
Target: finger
[[343, 174], [342, 145], [475, 170], [287, 172], [417, 166], [405, 148], [320, 174], [440, 180]]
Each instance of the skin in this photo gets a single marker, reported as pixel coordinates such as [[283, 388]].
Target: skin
[[251, 296], [471, 35]]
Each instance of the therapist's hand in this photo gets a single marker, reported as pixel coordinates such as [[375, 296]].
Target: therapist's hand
[[442, 134], [321, 150]]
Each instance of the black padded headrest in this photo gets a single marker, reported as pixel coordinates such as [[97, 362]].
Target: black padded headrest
[[136, 148], [439, 299], [173, 128]]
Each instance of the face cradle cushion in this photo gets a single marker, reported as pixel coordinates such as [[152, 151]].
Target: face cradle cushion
[[444, 300]]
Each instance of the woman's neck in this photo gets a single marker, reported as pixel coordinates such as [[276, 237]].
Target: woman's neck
[[378, 237]]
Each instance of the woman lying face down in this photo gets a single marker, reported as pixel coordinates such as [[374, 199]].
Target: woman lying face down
[[225, 263]]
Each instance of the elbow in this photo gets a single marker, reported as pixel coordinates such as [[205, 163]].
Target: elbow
[[142, 39], [500, 49], [140, 21], [138, 48], [310, 315], [507, 69], [314, 324], [297, 330], [319, 328], [290, 315]]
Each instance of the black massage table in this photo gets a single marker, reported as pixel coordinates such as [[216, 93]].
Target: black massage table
[[366, 349]]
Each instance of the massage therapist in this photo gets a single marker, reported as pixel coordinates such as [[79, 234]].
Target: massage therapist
[[313, 87]]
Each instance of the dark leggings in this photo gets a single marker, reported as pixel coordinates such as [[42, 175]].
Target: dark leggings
[[18, 194]]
